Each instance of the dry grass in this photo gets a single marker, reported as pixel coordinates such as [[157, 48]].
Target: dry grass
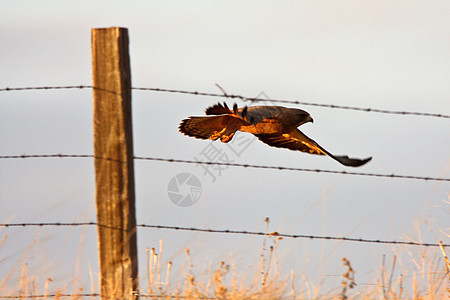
[[428, 279]]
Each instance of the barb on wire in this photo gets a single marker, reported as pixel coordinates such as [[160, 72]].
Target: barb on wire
[[280, 168], [240, 97], [228, 231]]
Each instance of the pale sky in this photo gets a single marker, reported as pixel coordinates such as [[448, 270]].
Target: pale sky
[[375, 54]]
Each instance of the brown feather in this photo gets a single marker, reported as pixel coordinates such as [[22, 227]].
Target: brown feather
[[211, 127], [218, 109]]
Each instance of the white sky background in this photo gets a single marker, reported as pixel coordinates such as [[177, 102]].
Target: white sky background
[[378, 54]]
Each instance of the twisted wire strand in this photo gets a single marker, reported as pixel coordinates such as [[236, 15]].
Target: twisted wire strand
[[57, 295], [229, 231], [226, 164], [240, 97]]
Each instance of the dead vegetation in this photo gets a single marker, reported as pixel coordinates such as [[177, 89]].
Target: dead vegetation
[[428, 279]]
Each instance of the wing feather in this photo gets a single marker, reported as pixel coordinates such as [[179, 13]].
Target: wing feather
[[294, 140], [297, 140], [211, 127]]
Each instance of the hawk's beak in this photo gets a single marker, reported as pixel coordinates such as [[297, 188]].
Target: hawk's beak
[[307, 119]]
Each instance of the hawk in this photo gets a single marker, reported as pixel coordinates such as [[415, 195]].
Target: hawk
[[273, 125]]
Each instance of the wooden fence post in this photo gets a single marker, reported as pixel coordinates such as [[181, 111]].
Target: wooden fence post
[[114, 167]]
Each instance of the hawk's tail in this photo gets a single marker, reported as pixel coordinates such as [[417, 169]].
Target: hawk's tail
[[211, 127]]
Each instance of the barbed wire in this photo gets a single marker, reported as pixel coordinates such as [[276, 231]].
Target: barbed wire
[[50, 295], [75, 296], [294, 236], [62, 87], [227, 164], [256, 99], [293, 169], [230, 231], [240, 97]]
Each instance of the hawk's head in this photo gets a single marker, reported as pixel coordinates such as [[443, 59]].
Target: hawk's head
[[302, 117]]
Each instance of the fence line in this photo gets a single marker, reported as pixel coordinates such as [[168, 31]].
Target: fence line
[[255, 99], [50, 295], [230, 231], [62, 87], [240, 97], [76, 296], [294, 169], [280, 168]]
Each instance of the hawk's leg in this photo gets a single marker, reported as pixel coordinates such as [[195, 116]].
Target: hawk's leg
[[224, 135], [226, 138], [217, 134]]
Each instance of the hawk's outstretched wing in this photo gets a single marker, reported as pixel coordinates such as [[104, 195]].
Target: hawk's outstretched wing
[[297, 140]]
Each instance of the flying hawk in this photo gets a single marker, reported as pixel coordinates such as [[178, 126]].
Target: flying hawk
[[273, 125]]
